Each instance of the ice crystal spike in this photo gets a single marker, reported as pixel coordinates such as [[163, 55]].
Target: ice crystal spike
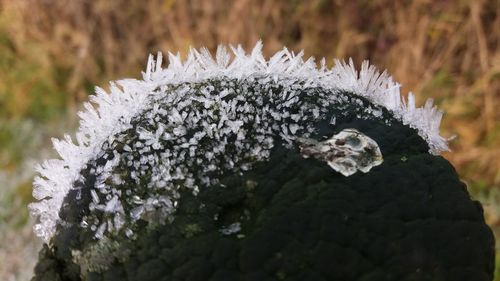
[[108, 114]]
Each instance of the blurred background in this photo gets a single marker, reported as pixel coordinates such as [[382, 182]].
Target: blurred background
[[53, 53]]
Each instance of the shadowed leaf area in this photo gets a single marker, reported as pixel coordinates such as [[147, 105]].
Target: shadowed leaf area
[[408, 219]]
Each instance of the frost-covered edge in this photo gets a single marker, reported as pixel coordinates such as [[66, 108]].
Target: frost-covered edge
[[127, 98]]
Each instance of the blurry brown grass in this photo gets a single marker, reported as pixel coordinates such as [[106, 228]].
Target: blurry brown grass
[[53, 52]]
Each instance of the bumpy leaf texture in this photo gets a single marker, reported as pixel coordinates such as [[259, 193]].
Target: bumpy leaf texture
[[242, 168]]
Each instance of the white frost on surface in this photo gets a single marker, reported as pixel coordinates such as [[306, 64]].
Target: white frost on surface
[[231, 229], [127, 98]]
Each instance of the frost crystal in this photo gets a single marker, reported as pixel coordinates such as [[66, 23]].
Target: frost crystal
[[231, 229], [184, 94]]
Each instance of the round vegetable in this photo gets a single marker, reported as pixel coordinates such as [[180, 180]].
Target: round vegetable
[[251, 169]]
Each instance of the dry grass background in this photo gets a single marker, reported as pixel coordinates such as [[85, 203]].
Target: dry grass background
[[53, 52]]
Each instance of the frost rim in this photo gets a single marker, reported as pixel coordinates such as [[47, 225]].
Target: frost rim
[[127, 98]]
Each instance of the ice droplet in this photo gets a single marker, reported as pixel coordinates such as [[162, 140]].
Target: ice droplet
[[346, 152]]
